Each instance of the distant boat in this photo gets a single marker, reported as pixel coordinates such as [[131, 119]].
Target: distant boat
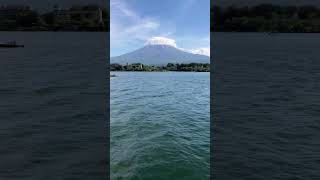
[[112, 75], [11, 44]]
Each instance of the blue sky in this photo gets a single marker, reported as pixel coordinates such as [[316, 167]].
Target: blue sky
[[134, 22]]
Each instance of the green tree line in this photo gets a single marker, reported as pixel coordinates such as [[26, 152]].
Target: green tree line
[[196, 67], [76, 18], [266, 18]]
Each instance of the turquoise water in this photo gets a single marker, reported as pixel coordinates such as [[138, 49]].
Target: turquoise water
[[160, 125]]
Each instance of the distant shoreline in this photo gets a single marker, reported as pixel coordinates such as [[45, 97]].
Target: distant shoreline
[[56, 31], [139, 67], [266, 18], [78, 18], [162, 71], [265, 32]]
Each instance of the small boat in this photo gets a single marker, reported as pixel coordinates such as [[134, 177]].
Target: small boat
[[112, 75], [11, 44]]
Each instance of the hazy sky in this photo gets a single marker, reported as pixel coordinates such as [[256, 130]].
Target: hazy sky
[[184, 23]]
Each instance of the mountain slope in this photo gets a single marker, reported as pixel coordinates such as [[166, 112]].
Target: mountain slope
[[159, 55]]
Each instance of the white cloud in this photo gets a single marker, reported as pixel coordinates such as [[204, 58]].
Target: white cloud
[[162, 41], [142, 26], [119, 6], [171, 42], [129, 29], [126, 26], [201, 51]]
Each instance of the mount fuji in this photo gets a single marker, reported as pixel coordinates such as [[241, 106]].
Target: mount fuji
[[159, 54]]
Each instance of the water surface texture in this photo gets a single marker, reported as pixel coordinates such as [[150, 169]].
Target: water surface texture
[[53, 103], [160, 125], [266, 102]]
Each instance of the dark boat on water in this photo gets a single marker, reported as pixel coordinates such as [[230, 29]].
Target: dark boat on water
[[11, 44]]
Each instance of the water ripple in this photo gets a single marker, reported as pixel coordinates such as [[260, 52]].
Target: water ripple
[[160, 125]]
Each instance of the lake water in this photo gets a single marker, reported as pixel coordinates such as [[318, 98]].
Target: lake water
[[160, 125], [266, 103], [53, 110]]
